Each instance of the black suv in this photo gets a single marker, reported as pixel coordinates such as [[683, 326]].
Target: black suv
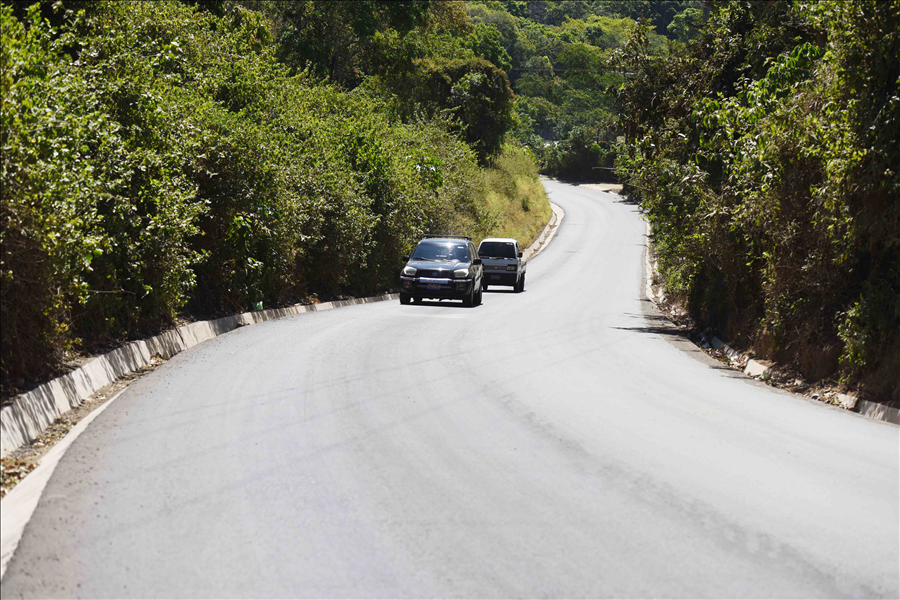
[[442, 266]]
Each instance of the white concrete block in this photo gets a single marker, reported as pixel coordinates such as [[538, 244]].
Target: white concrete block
[[756, 368]]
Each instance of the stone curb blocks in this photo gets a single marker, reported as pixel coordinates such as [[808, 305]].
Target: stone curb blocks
[[546, 235], [758, 368], [878, 411], [32, 412]]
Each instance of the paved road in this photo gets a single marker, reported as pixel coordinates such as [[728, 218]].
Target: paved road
[[559, 442]]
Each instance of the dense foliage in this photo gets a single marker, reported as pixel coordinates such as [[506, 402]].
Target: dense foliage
[[559, 59], [766, 154], [162, 159]]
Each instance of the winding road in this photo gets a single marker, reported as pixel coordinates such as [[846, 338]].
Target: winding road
[[561, 442]]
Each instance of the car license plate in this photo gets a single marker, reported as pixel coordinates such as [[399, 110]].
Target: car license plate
[[434, 287], [495, 277]]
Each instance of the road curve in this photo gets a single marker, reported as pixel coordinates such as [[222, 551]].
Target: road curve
[[559, 442]]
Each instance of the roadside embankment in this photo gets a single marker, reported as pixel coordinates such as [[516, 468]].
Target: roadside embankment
[[767, 371]]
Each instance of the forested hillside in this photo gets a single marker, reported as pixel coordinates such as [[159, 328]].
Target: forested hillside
[[560, 57], [169, 160], [766, 152]]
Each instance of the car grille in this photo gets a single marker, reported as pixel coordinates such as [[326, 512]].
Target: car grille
[[494, 267], [442, 287], [436, 273]]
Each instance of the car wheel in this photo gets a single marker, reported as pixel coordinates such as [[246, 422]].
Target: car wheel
[[469, 299], [404, 298], [417, 299], [478, 298], [484, 287]]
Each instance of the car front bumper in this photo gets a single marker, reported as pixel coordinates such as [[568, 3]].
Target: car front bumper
[[436, 288], [501, 277]]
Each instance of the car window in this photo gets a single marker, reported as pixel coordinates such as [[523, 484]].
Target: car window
[[433, 250], [497, 250]]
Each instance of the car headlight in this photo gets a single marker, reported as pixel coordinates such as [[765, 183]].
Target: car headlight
[[460, 273], [409, 271]]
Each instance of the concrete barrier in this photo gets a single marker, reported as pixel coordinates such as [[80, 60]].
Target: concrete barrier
[[878, 411], [31, 413], [547, 233]]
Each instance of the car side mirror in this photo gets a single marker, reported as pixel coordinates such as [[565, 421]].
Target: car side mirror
[[520, 254], [477, 261], [405, 257]]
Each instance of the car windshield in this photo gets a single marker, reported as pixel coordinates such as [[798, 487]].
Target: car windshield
[[497, 250], [441, 251]]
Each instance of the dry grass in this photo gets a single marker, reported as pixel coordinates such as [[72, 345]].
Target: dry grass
[[515, 201]]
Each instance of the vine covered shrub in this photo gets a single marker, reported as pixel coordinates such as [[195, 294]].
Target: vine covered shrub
[[766, 159], [158, 160]]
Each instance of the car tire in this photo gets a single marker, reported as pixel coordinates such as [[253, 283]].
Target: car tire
[[417, 299], [484, 287], [404, 298], [478, 296], [520, 284], [469, 299]]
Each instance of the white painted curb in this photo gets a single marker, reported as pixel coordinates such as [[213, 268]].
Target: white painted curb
[[31, 413], [547, 234], [878, 411]]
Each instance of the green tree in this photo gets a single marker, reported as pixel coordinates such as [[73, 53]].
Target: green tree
[[764, 155]]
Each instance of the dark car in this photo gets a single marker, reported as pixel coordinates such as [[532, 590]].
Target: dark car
[[503, 264], [443, 267]]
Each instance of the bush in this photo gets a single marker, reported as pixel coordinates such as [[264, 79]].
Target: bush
[[766, 165], [474, 93], [583, 156], [158, 161], [516, 201]]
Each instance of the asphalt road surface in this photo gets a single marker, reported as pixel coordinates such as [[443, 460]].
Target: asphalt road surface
[[559, 442]]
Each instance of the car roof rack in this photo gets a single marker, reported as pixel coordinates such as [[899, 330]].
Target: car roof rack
[[461, 237]]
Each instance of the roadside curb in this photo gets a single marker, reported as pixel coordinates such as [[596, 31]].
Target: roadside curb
[[878, 411], [762, 368], [31, 412], [547, 234]]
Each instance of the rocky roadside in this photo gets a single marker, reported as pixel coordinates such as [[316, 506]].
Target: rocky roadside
[[829, 391]]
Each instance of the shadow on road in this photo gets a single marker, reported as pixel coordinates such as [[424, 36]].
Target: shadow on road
[[657, 330], [446, 303]]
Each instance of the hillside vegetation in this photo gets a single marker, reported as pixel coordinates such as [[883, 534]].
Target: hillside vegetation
[[183, 159], [766, 153], [164, 160], [559, 56]]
